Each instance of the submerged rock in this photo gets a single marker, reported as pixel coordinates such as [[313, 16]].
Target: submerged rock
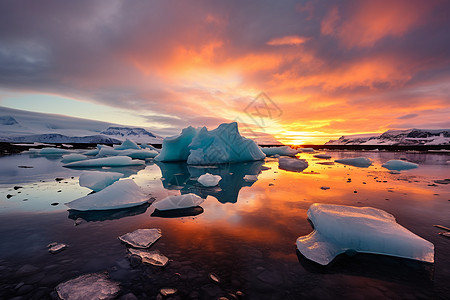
[[339, 229], [442, 181], [153, 257], [141, 238], [89, 286]]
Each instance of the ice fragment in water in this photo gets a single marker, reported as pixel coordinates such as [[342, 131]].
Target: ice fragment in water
[[282, 151], [340, 228], [251, 178], [127, 144], [176, 202], [292, 164], [175, 148], [209, 179], [361, 162], [322, 156], [153, 257], [168, 291], [97, 180], [68, 158], [56, 247], [399, 165], [141, 238], [89, 286], [116, 161], [307, 150], [52, 151]]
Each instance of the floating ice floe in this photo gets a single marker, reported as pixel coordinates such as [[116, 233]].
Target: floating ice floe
[[52, 151], [176, 202], [89, 286], [202, 147], [322, 156], [361, 162], [399, 165], [141, 238], [209, 179], [307, 150], [150, 147], [68, 158], [340, 228], [133, 153], [127, 144], [97, 180], [282, 151], [292, 164], [153, 257], [121, 194], [116, 161], [251, 178], [54, 248]]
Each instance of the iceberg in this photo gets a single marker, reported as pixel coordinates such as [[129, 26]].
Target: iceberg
[[292, 164], [121, 194], [282, 151], [177, 202], [141, 238], [68, 158], [360, 162], [97, 180], [340, 229], [175, 148], [399, 165], [322, 156], [89, 286], [116, 161], [153, 257], [128, 144], [202, 147], [209, 179]]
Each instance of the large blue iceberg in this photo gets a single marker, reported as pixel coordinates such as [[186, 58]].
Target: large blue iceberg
[[202, 147]]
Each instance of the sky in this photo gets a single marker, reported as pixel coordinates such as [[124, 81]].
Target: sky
[[303, 72]]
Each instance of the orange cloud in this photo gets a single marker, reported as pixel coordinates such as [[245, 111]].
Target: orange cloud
[[287, 40]]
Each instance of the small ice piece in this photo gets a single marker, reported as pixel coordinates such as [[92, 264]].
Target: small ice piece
[[339, 229], [52, 151], [322, 156], [282, 151], [399, 165], [153, 257], [168, 291], [116, 161], [141, 238], [56, 247], [209, 179], [442, 181], [251, 178], [325, 188], [128, 144], [121, 194], [176, 202], [292, 164], [307, 150], [89, 286], [175, 148], [150, 147], [97, 180], [360, 162], [68, 158]]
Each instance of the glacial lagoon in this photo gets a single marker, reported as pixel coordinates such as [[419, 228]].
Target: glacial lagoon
[[240, 243]]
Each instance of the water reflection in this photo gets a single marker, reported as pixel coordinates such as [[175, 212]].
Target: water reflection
[[183, 177], [111, 214]]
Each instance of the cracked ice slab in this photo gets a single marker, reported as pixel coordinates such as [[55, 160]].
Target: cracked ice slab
[[141, 238], [89, 286], [176, 202], [153, 257], [340, 228]]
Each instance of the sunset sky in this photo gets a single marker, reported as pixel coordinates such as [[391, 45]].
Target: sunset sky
[[328, 68]]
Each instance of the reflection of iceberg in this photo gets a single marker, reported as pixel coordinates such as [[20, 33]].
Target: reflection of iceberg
[[178, 213], [182, 177], [126, 171], [111, 214]]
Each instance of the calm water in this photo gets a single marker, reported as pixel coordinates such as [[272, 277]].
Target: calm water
[[245, 232]]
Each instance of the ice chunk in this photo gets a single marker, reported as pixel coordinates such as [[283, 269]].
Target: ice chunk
[[222, 145], [307, 150], [150, 147], [209, 179], [89, 286], [52, 151], [361, 162], [399, 165], [133, 153], [54, 248], [322, 156], [292, 164], [97, 180], [176, 202], [175, 148], [251, 178], [153, 257], [340, 228], [68, 158], [121, 194], [141, 238], [128, 144], [282, 151], [116, 161]]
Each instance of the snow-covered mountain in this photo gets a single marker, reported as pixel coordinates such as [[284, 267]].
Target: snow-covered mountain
[[26, 126], [409, 137]]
